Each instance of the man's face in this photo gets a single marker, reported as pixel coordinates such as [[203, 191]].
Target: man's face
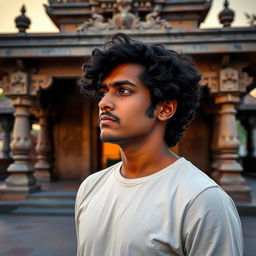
[[123, 106]]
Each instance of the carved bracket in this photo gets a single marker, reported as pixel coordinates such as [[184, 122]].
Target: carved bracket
[[39, 82], [211, 80], [21, 83], [229, 80]]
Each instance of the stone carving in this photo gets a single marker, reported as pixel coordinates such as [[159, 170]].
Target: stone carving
[[251, 19], [211, 80], [229, 80], [19, 81], [97, 22], [244, 81], [153, 20], [39, 81], [5, 83], [124, 19]]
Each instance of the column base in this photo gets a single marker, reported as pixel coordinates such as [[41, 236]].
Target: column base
[[238, 193], [43, 175]]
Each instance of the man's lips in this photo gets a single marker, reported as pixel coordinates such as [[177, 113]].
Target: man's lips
[[108, 118]]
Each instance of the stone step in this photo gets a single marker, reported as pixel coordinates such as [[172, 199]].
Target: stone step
[[52, 196], [8, 207], [60, 204], [44, 212]]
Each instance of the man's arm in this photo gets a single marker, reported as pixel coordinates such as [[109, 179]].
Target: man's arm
[[212, 226]]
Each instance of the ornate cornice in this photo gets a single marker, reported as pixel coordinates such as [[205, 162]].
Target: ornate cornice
[[124, 19]]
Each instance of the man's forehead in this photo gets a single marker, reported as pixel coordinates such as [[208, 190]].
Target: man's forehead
[[124, 70]]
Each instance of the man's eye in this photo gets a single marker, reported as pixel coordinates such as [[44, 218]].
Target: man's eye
[[125, 91]]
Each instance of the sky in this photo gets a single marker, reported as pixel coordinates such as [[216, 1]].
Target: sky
[[41, 23]]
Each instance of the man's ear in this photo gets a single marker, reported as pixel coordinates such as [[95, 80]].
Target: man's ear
[[166, 110]]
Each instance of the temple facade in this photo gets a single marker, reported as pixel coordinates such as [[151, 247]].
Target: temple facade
[[39, 73]]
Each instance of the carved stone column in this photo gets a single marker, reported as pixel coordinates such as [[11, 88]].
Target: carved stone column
[[227, 167], [22, 86], [43, 148], [215, 151], [21, 171]]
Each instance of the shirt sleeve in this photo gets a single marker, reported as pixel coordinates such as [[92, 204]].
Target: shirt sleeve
[[211, 226]]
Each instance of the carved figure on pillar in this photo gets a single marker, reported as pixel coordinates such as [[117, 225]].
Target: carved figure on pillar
[[227, 167]]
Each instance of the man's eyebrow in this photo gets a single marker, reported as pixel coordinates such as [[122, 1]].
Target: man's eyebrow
[[117, 83]]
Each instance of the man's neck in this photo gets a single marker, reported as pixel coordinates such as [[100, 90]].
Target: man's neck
[[143, 159]]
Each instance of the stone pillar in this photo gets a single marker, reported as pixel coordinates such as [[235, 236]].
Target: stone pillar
[[228, 167], [7, 125], [214, 146], [21, 177], [23, 87], [43, 149], [226, 92]]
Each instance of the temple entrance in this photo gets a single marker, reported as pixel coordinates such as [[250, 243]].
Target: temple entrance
[[72, 130]]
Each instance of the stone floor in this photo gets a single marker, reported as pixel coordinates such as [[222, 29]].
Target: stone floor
[[37, 236], [55, 236]]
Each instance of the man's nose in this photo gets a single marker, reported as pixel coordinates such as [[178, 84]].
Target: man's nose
[[107, 102]]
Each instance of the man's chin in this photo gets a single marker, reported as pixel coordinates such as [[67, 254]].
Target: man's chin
[[109, 139]]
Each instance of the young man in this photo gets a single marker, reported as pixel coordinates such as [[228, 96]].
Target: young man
[[153, 202]]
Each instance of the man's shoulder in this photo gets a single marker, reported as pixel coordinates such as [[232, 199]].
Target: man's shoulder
[[192, 181]]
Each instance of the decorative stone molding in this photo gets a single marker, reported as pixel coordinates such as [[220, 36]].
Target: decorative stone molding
[[125, 19]]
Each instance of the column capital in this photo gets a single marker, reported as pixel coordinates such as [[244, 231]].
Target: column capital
[[229, 80], [226, 98]]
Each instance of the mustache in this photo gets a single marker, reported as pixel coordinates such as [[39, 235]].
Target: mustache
[[108, 113]]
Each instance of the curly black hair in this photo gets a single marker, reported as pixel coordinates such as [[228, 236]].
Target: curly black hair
[[167, 74]]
